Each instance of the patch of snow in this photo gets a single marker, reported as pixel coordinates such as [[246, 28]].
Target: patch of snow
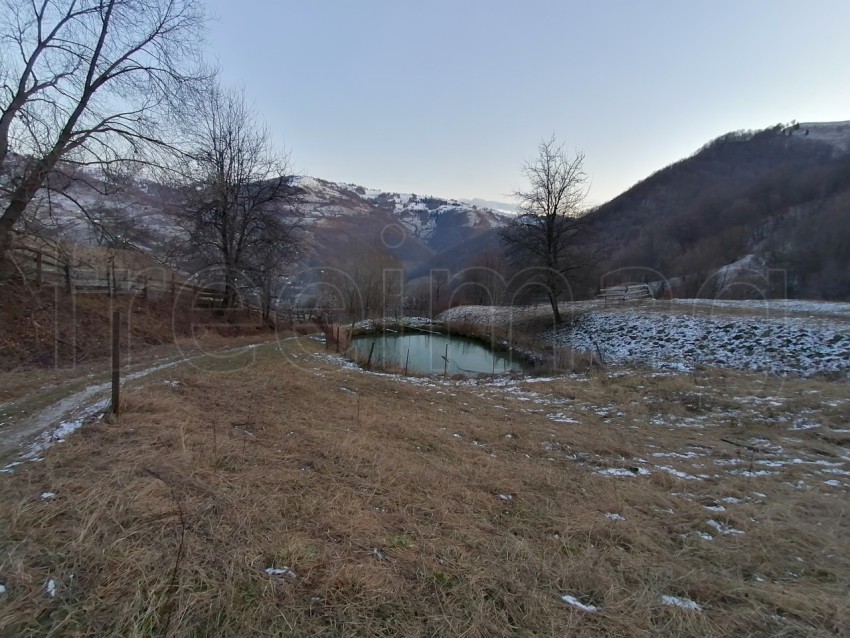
[[575, 602], [724, 529], [836, 134], [804, 424], [50, 588], [612, 516], [283, 572], [677, 455], [622, 471], [833, 470], [47, 496], [678, 473], [9, 468], [506, 497], [753, 474], [684, 603]]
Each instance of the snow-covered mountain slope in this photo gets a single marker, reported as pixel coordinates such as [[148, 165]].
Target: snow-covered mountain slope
[[342, 219], [836, 134], [429, 219]]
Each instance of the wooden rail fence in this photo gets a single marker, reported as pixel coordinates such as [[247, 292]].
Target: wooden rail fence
[[625, 292], [50, 268], [47, 268]]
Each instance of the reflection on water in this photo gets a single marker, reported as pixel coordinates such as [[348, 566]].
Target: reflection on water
[[426, 353]]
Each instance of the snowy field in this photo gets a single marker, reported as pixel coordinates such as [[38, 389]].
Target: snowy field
[[780, 337]]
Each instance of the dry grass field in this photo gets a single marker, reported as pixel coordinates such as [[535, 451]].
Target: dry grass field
[[287, 493]]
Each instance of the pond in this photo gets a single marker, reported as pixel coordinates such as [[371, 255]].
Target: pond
[[426, 353]]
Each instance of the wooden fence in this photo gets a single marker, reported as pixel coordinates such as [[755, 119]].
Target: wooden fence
[[625, 292], [48, 265]]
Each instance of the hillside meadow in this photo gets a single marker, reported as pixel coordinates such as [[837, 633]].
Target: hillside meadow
[[285, 492]]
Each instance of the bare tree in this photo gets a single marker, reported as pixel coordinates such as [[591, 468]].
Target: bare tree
[[88, 83], [483, 281], [362, 281], [241, 208], [542, 238], [274, 258], [116, 227]]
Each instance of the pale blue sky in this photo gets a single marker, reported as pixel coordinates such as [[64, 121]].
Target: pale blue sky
[[448, 98]]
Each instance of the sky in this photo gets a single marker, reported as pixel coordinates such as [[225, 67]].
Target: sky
[[448, 98]]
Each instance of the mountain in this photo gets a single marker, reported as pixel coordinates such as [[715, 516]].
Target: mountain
[[777, 198], [750, 213], [406, 223], [341, 220]]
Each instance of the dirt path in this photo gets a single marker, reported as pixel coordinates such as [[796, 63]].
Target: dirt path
[[61, 417]]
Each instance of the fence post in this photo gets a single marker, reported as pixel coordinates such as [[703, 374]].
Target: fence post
[[116, 360]]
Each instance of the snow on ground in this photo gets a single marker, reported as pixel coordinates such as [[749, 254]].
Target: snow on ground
[[787, 345], [56, 422], [684, 603], [836, 134], [575, 602], [692, 463], [775, 336], [774, 307], [281, 572]]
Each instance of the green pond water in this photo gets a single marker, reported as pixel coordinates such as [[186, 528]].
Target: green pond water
[[427, 352]]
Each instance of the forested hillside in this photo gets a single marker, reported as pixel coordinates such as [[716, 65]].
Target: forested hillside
[[779, 198]]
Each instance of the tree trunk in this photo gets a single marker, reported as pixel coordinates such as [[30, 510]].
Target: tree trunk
[[7, 222], [266, 308], [24, 193], [556, 313], [229, 300]]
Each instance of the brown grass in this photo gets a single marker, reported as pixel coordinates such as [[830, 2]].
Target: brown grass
[[165, 521], [51, 329]]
